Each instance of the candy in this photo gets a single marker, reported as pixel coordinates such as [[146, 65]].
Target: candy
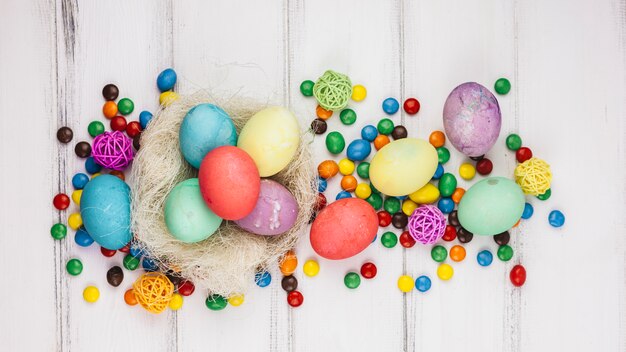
[[115, 276], [467, 171], [405, 283], [368, 270], [295, 299], [523, 154], [82, 238], [289, 283], [443, 155], [347, 116], [342, 195], [216, 302], [323, 113], [439, 253], [346, 166], [352, 280], [399, 220], [384, 218], [385, 126], [348, 183], [505, 253], [319, 126], [406, 240], [107, 252], [82, 149], [399, 132], [392, 205], [484, 166], [363, 191], [528, 211], [80, 180], [144, 119], [95, 128], [110, 92], [518, 275], [381, 141], [464, 236], [425, 195], [131, 263], [457, 195], [390, 106], [75, 221], [369, 133], [130, 298], [306, 88], [502, 238], [125, 106], [61, 201], [375, 200], [148, 264], [449, 233], [288, 263], [445, 272], [359, 149], [389, 239], [166, 79], [457, 253], [513, 142], [453, 218], [437, 139], [423, 283], [411, 106], [74, 267], [408, 206], [118, 123], [446, 205], [358, 92], [133, 129], [91, 294], [439, 172], [556, 218], [335, 142], [447, 184], [176, 302], [91, 166], [109, 109], [167, 98], [311, 268], [186, 288], [327, 169], [484, 258], [502, 86], [546, 195], [322, 184], [262, 278]]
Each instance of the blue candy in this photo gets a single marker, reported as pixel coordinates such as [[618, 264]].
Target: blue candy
[[263, 278], [166, 80], [144, 118], [528, 211], [369, 133], [391, 106], [149, 264], [321, 184], [359, 149], [343, 194], [80, 180], [91, 166], [422, 283], [375, 237], [484, 258], [82, 238], [446, 205], [556, 218], [438, 172], [135, 250]]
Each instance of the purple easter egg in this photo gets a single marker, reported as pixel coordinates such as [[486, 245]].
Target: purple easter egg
[[471, 119], [275, 212]]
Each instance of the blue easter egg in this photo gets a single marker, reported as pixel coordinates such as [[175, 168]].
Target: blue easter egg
[[343, 194], [528, 211], [446, 205], [144, 118], [438, 172], [423, 283], [390, 106], [359, 149], [321, 184], [91, 166], [82, 238], [135, 250], [80, 180], [262, 278], [166, 79], [556, 218], [149, 264], [105, 209], [204, 128], [484, 258], [369, 133]]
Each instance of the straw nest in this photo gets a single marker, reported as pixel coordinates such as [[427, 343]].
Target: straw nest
[[226, 262]]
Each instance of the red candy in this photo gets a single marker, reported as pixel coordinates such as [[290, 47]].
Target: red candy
[[518, 275], [406, 240], [411, 106], [523, 154], [295, 299], [133, 128], [449, 234], [125, 249], [368, 270], [107, 252], [61, 201], [321, 202], [384, 218], [118, 123], [484, 166], [186, 288]]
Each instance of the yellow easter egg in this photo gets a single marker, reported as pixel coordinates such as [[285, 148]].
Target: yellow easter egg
[[236, 300], [166, 98], [271, 137], [425, 195], [403, 166]]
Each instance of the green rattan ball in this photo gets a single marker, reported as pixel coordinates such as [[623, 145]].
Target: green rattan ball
[[333, 90]]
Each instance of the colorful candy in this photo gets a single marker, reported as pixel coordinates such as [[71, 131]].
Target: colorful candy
[[109, 109], [391, 205], [323, 113], [348, 183], [502, 238], [406, 240], [513, 142], [457, 253], [505, 253], [384, 218], [95, 128], [502, 86], [289, 283], [352, 280], [346, 166], [359, 149], [518, 275], [288, 263], [166, 79], [130, 298], [546, 195], [363, 191], [91, 166], [216, 302], [390, 106], [125, 106], [61, 201], [311, 268], [110, 92], [385, 126], [335, 142], [359, 93], [445, 272], [439, 253], [446, 205], [176, 302], [80, 180], [405, 283], [556, 218], [484, 258], [75, 221], [447, 184], [484, 166], [91, 294], [411, 106], [74, 267], [82, 238], [144, 119], [327, 169], [389, 239], [467, 171], [295, 299], [399, 132], [423, 283], [369, 133], [381, 141], [130, 263], [347, 116], [262, 278], [306, 88], [82, 149]]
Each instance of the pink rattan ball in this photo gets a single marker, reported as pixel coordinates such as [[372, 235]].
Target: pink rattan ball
[[427, 224], [112, 150]]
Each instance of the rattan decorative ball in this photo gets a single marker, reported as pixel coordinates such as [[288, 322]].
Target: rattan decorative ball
[[333, 90], [153, 291], [113, 150], [533, 176], [427, 224]]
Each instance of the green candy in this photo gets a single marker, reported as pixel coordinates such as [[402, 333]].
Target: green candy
[[58, 231], [502, 86], [392, 205], [363, 170], [216, 302], [347, 116], [389, 239], [439, 253], [131, 263], [505, 253], [74, 267], [375, 200], [443, 154], [513, 142], [447, 184], [352, 280], [125, 106], [385, 126], [374, 190], [546, 195], [306, 88], [335, 142], [95, 128]]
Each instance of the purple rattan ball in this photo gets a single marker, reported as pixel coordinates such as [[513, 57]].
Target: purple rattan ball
[[427, 224], [112, 150]]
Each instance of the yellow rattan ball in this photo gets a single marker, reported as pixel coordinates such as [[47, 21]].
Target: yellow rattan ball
[[153, 291], [533, 176]]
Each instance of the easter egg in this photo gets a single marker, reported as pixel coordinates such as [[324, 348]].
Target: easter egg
[[344, 228], [105, 210], [275, 212], [491, 206], [204, 128], [403, 166], [187, 216], [271, 137], [471, 119], [229, 182]]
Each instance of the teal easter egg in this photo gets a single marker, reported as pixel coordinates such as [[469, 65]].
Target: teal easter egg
[[105, 209], [491, 206], [204, 128], [186, 215]]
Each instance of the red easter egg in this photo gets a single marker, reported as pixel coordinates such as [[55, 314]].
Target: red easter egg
[[229, 182], [344, 228]]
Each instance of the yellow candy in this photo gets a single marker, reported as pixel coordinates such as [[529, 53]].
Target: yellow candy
[[405, 283], [425, 195], [358, 92], [76, 196], [363, 190], [235, 300], [75, 221], [445, 272], [346, 166], [408, 206], [467, 171], [91, 294], [176, 302], [95, 175], [166, 98], [311, 268]]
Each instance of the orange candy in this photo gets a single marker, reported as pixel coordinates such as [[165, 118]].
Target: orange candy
[[289, 263], [323, 113], [129, 297], [517, 223], [327, 169], [458, 194], [348, 183], [118, 174], [457, 253], [381, 141], [437, 139], [109, 109]]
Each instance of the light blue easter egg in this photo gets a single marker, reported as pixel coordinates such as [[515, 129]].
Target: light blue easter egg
[[105, 209], [204, 128]]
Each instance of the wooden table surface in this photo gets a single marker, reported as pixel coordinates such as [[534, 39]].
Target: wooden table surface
[[565, 59]]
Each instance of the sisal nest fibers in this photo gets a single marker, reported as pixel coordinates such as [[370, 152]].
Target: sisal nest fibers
[[226, 262]]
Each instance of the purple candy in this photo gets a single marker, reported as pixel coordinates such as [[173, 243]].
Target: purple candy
[[471, 119], [275, 212]]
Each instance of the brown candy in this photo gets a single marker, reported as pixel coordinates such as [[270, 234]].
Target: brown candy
[[65, 134], [477, 158], [289, 283], [136, 141], [502, 238], [82, 149], [110, 92], [115, 276], [399, 220], [399, 132], [464, 236], [453, 218], [319, 126]]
